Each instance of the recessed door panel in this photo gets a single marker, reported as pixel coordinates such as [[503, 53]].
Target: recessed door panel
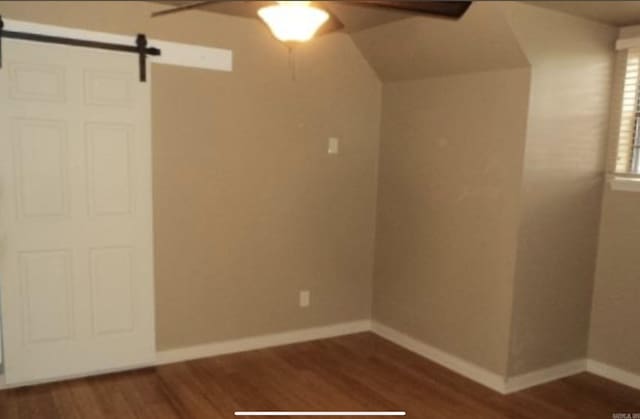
[[110, 168], [33, 82], [41, 159], [48, 301], [108, 88]]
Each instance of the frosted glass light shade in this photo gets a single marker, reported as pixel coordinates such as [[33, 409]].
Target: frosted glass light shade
[[293, 21]]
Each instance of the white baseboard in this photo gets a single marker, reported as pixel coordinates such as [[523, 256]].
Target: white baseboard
[[260, 342], [474, 372], [614, 373], [458, 365], [545, 375]]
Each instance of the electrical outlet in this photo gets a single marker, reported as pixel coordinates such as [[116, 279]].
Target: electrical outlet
[[305, 298]]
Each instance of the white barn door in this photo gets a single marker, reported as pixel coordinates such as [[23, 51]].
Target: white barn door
[[76, 262]]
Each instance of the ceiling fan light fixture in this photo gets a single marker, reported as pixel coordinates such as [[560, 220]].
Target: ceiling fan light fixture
[[293, 21]]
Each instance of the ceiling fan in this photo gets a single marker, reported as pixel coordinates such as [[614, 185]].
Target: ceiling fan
[[293, 22]]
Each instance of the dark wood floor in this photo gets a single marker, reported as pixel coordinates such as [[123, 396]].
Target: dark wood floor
[[359, 372]]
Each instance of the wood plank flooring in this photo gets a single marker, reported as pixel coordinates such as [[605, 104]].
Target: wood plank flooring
[[358, 372]]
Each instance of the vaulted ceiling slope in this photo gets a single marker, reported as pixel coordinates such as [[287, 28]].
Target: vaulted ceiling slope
[[618, 13], [492, 35], [421, 47]]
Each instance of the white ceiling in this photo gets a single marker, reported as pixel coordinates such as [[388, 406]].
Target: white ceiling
[[617, 13]]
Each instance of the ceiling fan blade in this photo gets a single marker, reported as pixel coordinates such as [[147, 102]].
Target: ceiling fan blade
[[452, 9], [189, 6]]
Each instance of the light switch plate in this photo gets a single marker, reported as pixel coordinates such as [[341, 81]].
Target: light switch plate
[[334, 145], [305, 298]]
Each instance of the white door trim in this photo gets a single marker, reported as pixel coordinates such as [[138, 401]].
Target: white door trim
[[173, 53]]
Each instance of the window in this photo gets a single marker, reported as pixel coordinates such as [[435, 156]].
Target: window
[[628, 153]]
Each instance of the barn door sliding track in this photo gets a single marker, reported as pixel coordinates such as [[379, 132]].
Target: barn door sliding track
[[141, 45]]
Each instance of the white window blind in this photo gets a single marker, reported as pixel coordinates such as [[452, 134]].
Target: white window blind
[[628, 152]]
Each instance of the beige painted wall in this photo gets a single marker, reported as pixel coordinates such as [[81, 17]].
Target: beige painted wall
[[614, 337], [450, 166], [249, 208], [562, 185], [505, 283]]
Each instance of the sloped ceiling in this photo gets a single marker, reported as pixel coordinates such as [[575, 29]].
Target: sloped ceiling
[[401, 46], [618, 13], [421, 47]]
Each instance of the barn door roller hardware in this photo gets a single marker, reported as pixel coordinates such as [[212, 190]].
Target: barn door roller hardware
[[141, 45]]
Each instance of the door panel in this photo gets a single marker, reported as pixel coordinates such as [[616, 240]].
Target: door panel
[[47, 294], [109, 163], [39, 82], [108, 88], [76, 263], [41, 160]]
